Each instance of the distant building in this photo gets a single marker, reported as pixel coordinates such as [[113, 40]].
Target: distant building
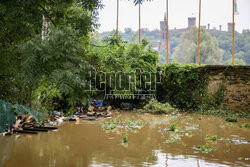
[[191, 22], [229, 26]]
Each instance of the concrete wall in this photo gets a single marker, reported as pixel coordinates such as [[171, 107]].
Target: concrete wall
[[237, 82]]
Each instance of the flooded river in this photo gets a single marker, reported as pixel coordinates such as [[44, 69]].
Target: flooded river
[[153, 144]]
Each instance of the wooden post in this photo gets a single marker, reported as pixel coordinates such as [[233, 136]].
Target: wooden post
[[117, 19], [233, 36], [167, 29], [139, 23], [199, 32]]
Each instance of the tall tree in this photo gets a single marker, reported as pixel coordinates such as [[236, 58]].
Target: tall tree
[[139, 3], [186, 51], [26, 59]]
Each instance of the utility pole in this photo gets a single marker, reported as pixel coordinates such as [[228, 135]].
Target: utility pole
[[167, 29], [199, 33], [139, 23], [117, 19], [233, 35]]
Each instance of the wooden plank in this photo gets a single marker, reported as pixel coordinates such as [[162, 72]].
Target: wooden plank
[[25, 131], [36, 129], [46, 127]]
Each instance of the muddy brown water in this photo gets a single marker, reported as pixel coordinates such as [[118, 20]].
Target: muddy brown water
[[87, 144]]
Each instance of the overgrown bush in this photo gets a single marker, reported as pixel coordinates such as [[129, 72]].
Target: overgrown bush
[[156, 107], [185, 87], [182, 86]]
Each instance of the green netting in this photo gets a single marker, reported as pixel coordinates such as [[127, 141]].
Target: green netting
[[26, 110], [8, 117]]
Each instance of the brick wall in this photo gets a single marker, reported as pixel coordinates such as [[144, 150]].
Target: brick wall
[[237, 82]]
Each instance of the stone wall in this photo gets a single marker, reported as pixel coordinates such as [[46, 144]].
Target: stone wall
[[237, 82]]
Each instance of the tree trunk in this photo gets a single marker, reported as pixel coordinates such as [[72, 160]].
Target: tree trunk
[[45, 26]]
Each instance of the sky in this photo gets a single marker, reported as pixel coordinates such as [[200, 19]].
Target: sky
[[214, 12]]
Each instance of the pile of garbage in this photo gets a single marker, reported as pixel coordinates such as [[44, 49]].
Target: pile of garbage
[[27, 124], [91, 111], [16, 118], [21, 119]]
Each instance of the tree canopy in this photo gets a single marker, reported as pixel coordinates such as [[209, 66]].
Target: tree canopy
[[36, 68], [186, 51]]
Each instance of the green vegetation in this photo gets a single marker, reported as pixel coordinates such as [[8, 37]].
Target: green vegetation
[[173, 127], [120, 56], [190, 133], [231, 120], [223, 112], [43, 46], [125, 139], [176, 133], [134, 123], [221, 40], [109, 125], [156, 107], [132, 36], [37, 69], [215, 100], [117, 122], [186, 51], [245, 125], [212, 138], [204, 148], [182, 86], [48, 53]]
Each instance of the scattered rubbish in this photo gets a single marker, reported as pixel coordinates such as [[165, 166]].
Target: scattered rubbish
[[98, 103], [57, 113], [126, 106], [89, 118], [91, 108]]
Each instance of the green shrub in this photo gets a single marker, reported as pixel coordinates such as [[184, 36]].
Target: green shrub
[[156, 107]]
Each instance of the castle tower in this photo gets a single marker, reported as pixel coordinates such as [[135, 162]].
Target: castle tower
[[191, 22], [229, 26]]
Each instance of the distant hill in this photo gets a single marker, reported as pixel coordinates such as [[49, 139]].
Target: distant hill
[[242, 42]]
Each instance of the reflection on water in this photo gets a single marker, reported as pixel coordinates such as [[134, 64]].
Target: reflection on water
[[87, 144]]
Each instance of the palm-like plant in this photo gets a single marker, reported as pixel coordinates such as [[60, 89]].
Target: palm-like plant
[[117, 19], [139, 2]]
